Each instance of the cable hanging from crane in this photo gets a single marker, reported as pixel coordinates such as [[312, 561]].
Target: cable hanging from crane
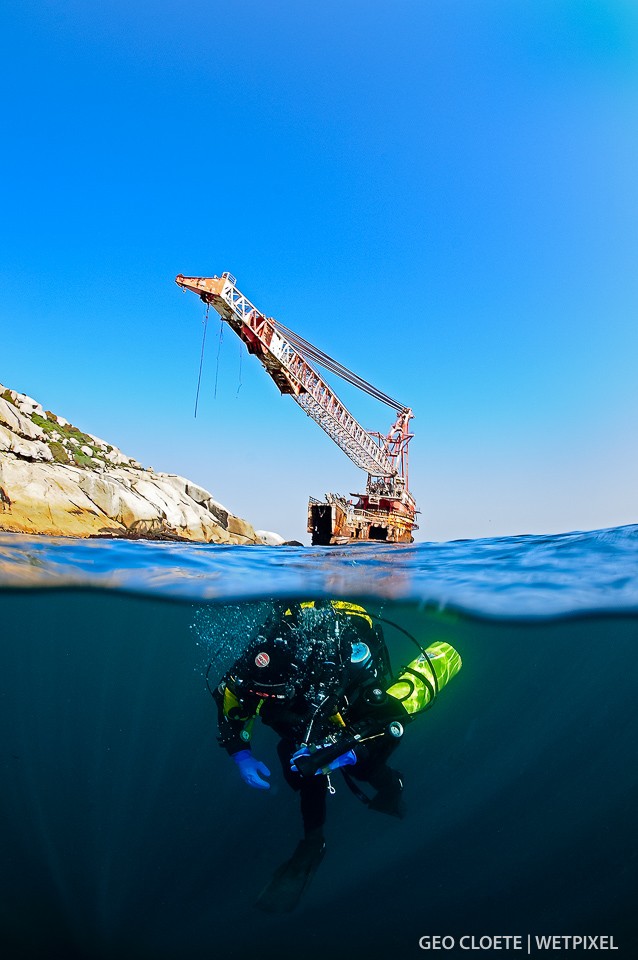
[[219, 350], [201, 358], [309, 351]]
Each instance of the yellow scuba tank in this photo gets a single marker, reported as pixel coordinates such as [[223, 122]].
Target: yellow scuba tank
[[418, 684]]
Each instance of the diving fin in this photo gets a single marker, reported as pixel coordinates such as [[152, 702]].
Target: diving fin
[[289, 881]]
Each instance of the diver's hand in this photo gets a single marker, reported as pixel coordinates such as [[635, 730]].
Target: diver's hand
[[252, 771], [303, 752], [345, 760]]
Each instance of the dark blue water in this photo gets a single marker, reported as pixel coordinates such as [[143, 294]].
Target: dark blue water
[[126, 832]]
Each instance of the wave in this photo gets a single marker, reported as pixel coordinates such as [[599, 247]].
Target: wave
[[524, 577]]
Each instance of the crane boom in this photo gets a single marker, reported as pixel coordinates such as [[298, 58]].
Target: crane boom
[[292, 374], [386, 511]]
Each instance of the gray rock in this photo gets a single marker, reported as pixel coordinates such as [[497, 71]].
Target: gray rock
[[182, 485], [29, 406], [17, 422], [96, 440], [116, 457], [27, 449], [115, 500], [217, 510], [270, 538], [198, 494]]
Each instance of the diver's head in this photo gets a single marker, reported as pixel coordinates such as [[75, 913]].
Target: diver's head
[[310, 651], [268, 669]]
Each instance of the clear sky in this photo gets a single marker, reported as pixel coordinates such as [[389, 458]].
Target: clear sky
[[442, 194]]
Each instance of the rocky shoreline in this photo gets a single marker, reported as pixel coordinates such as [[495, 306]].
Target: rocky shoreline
[[60, 481]]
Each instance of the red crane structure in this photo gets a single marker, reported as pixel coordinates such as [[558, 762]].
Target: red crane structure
[[386, 511]]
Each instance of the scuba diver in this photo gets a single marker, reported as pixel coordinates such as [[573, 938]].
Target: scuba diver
[[319, 674]]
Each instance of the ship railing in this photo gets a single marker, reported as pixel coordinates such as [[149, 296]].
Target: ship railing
[[384, 519]]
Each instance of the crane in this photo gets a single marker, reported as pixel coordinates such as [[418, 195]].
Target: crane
[[386, 511]]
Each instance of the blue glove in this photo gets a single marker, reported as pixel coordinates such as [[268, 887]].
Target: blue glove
[[345, 760], [252, 771]]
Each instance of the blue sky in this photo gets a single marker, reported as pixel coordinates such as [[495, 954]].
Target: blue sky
[[442, 195]]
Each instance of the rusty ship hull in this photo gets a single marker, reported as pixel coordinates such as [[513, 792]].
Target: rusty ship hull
[[337, 520]]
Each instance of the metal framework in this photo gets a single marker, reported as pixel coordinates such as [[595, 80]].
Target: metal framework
[[380, 455]]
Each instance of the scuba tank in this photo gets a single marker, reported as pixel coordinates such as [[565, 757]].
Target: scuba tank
[[419, 683]]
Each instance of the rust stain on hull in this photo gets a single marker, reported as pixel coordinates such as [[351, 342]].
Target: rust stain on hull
[[336, 520]]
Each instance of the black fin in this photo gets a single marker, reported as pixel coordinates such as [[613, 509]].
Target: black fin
[[289, 881]]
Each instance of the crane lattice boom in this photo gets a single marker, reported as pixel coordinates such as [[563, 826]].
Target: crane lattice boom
[[379, 455]]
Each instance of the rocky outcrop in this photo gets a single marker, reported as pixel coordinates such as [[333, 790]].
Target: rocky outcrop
[[57, 480], [272, 539]]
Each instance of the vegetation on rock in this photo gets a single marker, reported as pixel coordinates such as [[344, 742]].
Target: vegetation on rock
[[65, 440], [60, 454]]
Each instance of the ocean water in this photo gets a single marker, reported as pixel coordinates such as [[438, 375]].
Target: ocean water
[[126, 832]]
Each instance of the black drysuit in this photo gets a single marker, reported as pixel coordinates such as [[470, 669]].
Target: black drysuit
[[320, 693]]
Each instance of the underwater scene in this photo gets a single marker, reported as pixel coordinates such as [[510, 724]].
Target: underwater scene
[[472, 705]]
